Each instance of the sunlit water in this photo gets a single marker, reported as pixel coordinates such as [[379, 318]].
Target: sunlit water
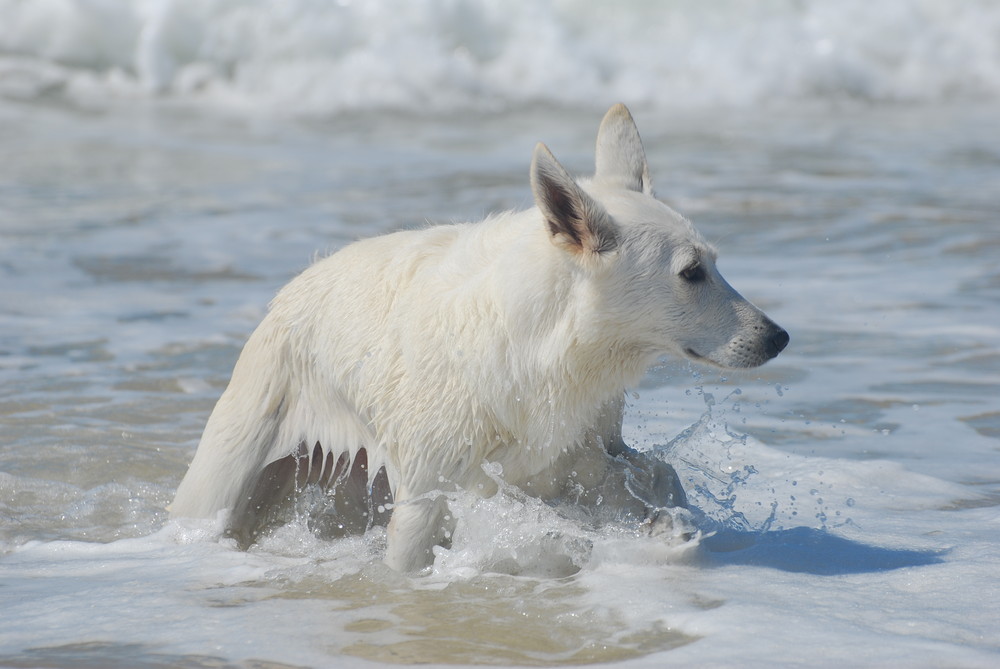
[[166, 167], [851, 484]]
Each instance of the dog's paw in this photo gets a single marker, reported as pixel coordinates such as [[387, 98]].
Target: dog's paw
[[672, 524]]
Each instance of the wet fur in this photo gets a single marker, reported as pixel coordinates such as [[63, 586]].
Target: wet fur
[[420, 356]]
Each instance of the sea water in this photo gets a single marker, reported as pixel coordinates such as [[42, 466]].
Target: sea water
[[165, 167]]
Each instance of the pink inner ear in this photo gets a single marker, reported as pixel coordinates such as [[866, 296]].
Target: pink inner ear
[[563, 214], [582, 223]]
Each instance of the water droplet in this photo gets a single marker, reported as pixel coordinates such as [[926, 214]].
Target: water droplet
[[493, 468]]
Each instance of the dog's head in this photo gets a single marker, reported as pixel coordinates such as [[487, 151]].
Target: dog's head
[[653, 277]]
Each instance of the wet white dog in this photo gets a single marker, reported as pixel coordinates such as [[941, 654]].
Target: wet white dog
[[395, 369]]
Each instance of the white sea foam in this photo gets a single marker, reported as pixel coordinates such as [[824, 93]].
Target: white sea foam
[[307, 57]]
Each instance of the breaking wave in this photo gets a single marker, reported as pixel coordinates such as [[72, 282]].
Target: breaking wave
[[318, 58]]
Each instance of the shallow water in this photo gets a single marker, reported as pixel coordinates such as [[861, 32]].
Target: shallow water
[[852, 484], [848, 492]]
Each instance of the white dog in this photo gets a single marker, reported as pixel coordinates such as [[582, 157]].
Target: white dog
[[395, 369]]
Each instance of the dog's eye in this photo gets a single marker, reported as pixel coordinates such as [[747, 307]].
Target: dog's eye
[[693, 274]]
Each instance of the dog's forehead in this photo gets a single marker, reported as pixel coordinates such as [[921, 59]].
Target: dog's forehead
[[648, 222]]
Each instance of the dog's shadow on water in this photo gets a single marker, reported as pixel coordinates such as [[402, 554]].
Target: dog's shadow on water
[[808, 550]]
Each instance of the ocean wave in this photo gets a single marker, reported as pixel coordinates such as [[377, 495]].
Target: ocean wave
[[321, 57]]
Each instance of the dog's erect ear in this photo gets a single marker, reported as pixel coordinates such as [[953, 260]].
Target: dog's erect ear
[[574, 219], [620, 158]]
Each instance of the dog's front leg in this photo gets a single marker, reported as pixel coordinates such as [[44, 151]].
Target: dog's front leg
[[648, 479], [651, 480], [637, 484], [416, 526], [657, 487]]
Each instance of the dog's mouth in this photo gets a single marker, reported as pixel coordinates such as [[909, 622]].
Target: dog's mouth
[[697, 357], [694, 355]]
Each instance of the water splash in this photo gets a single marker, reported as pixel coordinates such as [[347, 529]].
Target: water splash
[[705, 456]]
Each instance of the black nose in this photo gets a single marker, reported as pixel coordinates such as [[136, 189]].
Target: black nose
[[778, 342]]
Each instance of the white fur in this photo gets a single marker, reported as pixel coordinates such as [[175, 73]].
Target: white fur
[[507, 341]]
